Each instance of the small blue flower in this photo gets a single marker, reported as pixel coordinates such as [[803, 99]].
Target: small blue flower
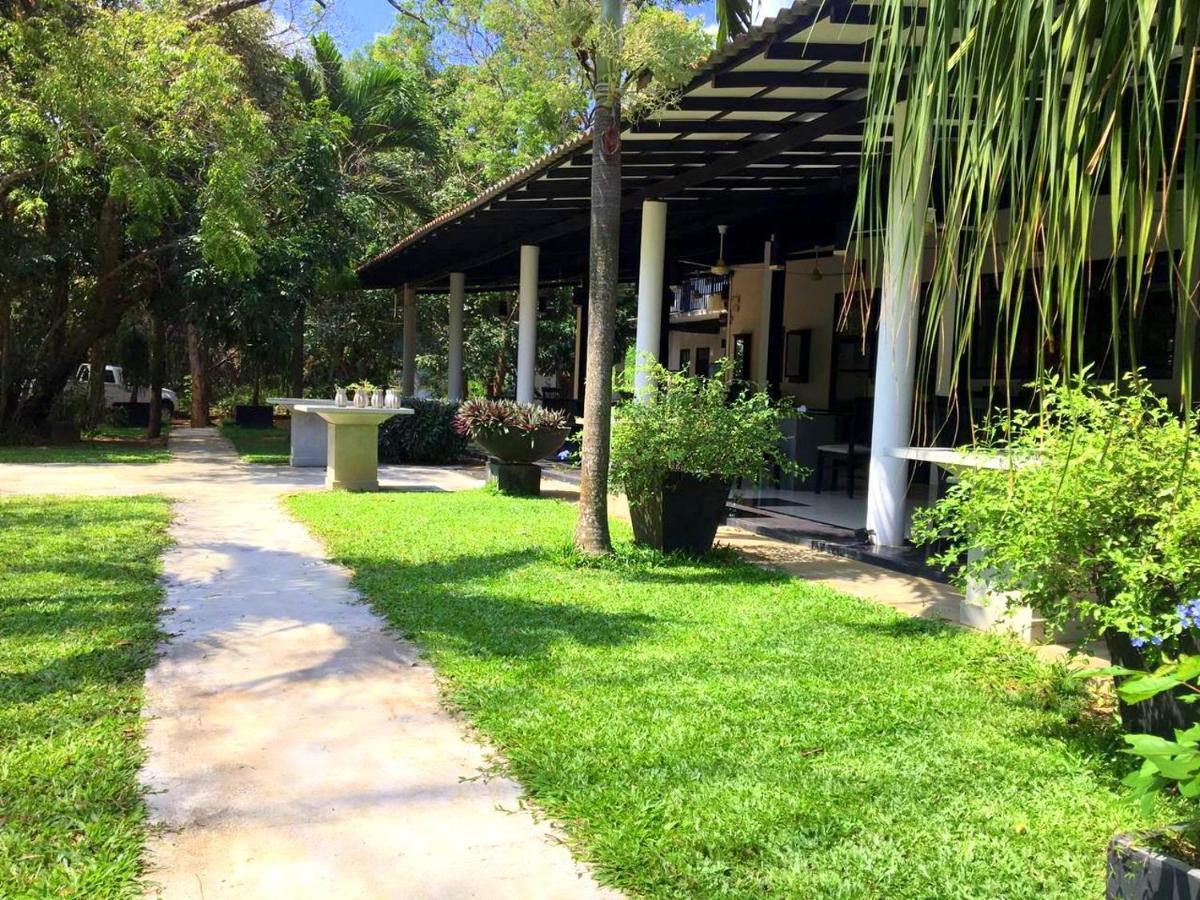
[[1138, 643], [1156, 641]]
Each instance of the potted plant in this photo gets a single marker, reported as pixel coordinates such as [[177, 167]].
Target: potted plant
[[678, 449], [514, 436], [1096, 528], [1164, 864]]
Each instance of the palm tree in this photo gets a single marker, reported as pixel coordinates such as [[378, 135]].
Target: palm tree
[[1036, 112], [591, 529], [383, 125]]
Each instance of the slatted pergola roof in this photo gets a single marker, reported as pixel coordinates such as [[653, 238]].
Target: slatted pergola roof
[[767, 133]]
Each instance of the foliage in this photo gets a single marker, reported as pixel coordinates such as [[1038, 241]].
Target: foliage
[[1167, 764], [716, 729], [427, 437], [1096, 519], [693, 425], [1048, 124], [79, 600], [483, 416], [108, 444]]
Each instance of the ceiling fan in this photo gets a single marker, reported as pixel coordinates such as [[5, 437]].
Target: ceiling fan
[[720, 267]]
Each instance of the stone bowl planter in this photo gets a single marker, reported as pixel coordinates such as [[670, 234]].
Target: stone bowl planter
[[512, 457], [1136, 872], [683, 516], [514, 446]]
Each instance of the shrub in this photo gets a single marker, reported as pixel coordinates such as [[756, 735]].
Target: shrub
[[691, 425], [1101, 520], [481, 416], [427, 437]]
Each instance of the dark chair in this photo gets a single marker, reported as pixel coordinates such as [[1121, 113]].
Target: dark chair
[[853, 450]]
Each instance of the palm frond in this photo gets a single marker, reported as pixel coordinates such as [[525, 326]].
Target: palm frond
[[1054, 127], [332, 67], [733, 18]]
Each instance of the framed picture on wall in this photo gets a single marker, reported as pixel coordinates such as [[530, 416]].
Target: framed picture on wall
[[797, 355]]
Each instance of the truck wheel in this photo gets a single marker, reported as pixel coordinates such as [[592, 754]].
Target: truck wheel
[[168, 410]]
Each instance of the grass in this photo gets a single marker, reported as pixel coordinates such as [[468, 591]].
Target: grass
[[711, 729], [78, 622], [109, 444], [259, 445]]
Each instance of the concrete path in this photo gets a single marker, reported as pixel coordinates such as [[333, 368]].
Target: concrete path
[[296, 748]]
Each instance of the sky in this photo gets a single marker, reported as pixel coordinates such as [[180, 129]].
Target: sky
[[355, 23]]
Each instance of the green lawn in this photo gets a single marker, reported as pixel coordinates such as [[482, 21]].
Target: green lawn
[[78, 621], [259, 445], [713, 729], [107, 445]]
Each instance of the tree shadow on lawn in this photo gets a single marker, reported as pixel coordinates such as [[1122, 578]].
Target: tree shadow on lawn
[[1003, 666], [453, 600]]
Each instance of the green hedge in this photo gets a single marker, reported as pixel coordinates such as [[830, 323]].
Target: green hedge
[[427, 436]]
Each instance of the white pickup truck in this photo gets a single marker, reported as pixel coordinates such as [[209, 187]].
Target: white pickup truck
[[116, 391]]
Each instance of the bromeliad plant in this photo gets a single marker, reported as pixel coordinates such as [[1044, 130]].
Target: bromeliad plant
[[483, 417], [1098, 518]]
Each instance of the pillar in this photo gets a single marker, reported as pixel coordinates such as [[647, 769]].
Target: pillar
[[408, 362], [895, 365], [455, 386], [650, 288], [527, 310], [762, 328]]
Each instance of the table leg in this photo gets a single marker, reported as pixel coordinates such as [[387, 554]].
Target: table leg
[[353, 458]]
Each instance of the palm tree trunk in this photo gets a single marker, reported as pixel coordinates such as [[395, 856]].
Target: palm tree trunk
[[158, 354], [591, 529], [198, 366], [297, 370]]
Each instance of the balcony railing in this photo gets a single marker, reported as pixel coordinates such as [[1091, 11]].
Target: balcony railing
[[701, 293]]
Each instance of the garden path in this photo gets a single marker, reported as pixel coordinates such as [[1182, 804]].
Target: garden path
[[295, 747]]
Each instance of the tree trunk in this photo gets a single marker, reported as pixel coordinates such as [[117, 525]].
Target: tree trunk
[[591, 529], [297, 374], [198, 367], [97, 360], [158, 362], [5, 353]]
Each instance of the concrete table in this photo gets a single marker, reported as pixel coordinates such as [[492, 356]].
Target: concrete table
[[308, 432], [982, 607], [353, 444]]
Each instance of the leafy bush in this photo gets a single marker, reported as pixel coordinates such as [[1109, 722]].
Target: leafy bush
[[427, 437], [690, 425], [1097, 520], [480, 416]]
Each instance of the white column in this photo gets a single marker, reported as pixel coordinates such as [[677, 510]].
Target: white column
[[409, 359], [455, 388], [650, 288], [527, 323], [895, 365], [762, 330]]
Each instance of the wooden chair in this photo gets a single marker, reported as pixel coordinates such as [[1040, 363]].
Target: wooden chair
[[850, 453]]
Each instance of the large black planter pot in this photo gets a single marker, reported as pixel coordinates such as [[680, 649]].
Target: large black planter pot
[[254, 416], [1159, 715], [1137, 873], [522, 446], [683, 516], [135, 415]]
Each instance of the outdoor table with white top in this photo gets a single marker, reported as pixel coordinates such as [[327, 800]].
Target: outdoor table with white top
[[353, 443], [981, 607], [309, 440]]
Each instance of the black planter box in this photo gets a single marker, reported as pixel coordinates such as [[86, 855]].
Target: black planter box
[[135, 415], [62, 432], [1138, 873], [1159, 715], [683, 517], [254, 416]]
